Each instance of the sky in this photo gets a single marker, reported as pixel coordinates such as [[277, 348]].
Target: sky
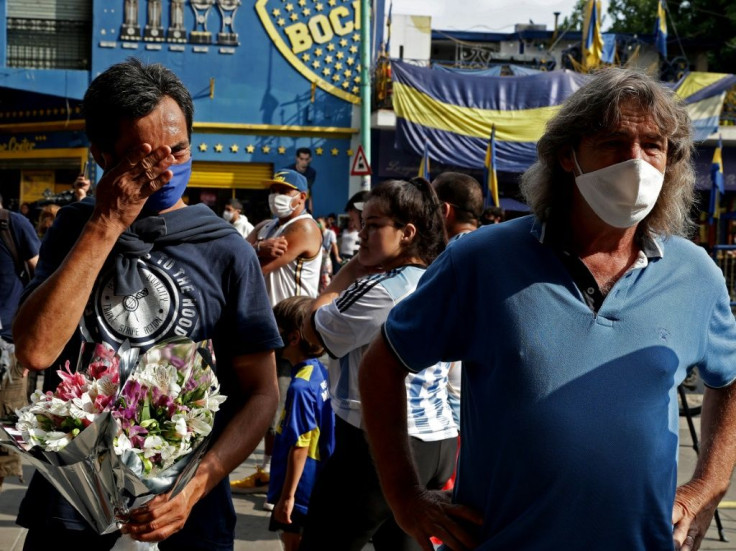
[[487, 15]]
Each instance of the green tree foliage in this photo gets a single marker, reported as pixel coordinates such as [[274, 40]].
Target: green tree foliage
[[707, 26], [574, 21]]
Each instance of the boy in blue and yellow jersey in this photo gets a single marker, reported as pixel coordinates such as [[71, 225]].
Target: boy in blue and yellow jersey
[[305, 432]]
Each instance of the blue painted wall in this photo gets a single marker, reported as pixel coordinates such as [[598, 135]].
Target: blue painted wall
[[253, 83]]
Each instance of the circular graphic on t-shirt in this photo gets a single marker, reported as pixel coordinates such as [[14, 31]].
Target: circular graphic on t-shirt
[[144, 317]]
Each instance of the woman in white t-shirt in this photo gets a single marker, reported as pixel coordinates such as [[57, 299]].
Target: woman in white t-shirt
[[402, 233]]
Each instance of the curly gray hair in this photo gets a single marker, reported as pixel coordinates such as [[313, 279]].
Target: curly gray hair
[[596, 107]]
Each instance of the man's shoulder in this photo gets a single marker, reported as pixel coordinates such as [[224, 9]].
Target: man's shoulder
[[304, 222], [490, 237], [19, 222]]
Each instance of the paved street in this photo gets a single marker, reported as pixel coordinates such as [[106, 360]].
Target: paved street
[[252, 531]]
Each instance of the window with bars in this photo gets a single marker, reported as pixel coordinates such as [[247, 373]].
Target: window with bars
[[48, 43]]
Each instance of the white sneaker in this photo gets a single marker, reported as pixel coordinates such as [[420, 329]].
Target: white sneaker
[[267, 506]]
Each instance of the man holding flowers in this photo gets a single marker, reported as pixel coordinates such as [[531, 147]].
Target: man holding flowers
[[136, 264]]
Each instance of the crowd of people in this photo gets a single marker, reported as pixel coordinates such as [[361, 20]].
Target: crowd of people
[[532, 363]]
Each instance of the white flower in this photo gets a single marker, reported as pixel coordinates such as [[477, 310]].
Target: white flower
[[57, 406], [83, 408], [122, 444], [180, 424], [162, 376], [152, 445], [56, 441]]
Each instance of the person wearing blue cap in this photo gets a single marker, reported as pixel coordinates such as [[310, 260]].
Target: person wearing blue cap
[[289, 248]]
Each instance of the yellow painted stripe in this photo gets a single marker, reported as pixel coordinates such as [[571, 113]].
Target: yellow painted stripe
[[696, 81], [522, 125], [80, 152], [727, 505], [274, 129]]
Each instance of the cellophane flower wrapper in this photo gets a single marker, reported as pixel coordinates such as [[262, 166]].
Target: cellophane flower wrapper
[[122, 428]]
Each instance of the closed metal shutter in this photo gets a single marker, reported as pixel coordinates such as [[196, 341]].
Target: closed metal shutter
[[207, 174], [71, 10], [49, 34]]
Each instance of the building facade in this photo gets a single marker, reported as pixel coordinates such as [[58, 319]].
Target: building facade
[[267, 77]]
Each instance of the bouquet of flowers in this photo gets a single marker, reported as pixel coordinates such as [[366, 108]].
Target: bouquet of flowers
[[121, 429]]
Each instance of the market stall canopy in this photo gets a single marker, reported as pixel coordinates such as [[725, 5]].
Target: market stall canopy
[[453, 112]]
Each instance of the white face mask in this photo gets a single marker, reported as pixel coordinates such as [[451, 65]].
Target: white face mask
[[228, 215], [621, 194], [280, 205]]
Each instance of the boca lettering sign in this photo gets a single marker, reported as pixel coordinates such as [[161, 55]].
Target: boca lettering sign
[[321, 40]]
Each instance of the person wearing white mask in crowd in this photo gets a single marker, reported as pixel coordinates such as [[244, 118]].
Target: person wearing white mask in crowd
[[586, 316], [233, 213], [289, 248]]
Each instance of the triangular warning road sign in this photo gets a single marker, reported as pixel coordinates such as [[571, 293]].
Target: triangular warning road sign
[[360, 164]]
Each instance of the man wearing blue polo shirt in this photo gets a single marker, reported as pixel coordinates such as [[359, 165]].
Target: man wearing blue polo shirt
[[575, 326]]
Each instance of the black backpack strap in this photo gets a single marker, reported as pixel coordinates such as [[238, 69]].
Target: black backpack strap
[[9, 240]]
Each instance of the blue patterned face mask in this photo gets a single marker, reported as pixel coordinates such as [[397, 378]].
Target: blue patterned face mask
[[167, 196]]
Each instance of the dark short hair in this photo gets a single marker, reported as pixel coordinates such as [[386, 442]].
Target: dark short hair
[[461, 191], [290, 314], [128, 91], [414, 202], [359, 197], [491, 213], [303, 150], [236, 204]]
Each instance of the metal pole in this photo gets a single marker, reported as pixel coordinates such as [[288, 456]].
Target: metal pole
[[365, 85]]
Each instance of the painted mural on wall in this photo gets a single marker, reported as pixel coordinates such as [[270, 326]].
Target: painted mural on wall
[[208, 16], [321, 40]]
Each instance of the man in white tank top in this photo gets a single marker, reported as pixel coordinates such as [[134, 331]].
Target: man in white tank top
[[289, 246]]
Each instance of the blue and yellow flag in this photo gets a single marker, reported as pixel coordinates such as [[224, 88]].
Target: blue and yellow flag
[[716, 189], [716, 167], [592, 39], [490, 178], [703, 94], [424, 165], [660, 29]]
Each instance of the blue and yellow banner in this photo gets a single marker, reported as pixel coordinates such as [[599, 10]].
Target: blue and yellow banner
[[491, 178], [703, 94], [592, 38], [452, 113], [660, 29]]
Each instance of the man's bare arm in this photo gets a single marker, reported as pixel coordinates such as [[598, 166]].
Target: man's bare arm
[[696, 501], [48, 318], [303, 239], [419, 512]]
